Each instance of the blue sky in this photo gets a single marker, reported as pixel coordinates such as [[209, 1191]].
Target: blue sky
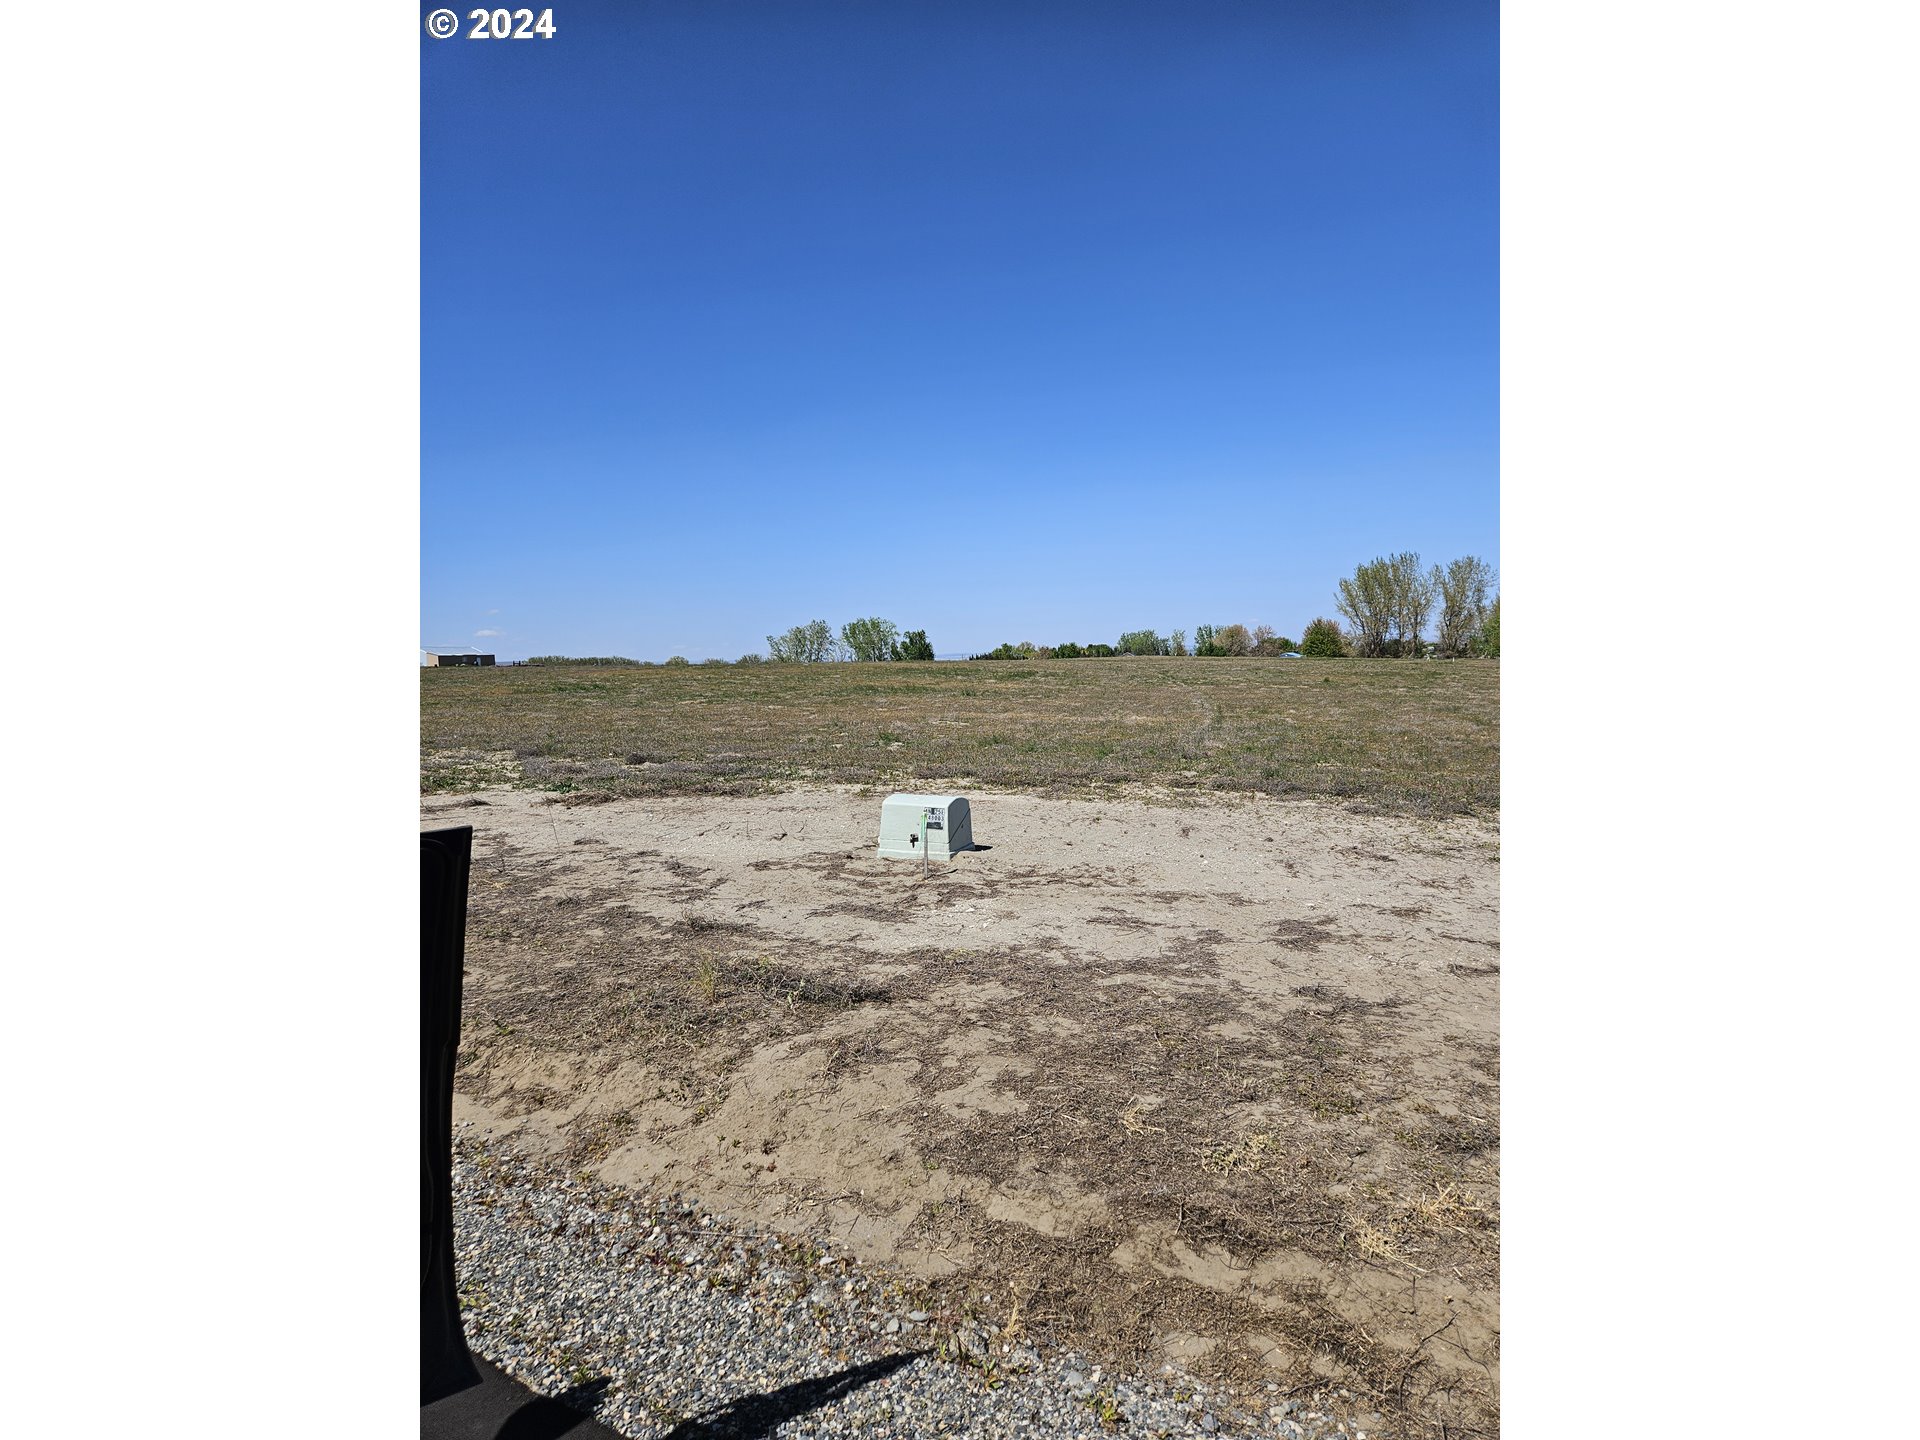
[[1006, 321]]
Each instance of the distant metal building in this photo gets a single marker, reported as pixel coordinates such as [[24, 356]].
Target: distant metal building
[[462, 655]]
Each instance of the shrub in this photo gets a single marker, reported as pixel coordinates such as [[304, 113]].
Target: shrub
[[1143, 642], [755, 658], [677, 660], [1101, 650], [1323, 639], [1068, 651], [580, 660]]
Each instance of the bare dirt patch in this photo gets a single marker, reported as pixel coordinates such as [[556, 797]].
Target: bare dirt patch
[[1139, 1086]]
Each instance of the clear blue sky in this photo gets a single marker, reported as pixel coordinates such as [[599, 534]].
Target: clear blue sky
[[1006, 321]]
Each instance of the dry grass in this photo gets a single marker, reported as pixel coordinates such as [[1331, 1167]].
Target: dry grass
[[1412, 737]]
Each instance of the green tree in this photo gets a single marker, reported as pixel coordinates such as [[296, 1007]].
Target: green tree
[[1489, 641], [1143, 642], [1177, 643], [1413, 592], [869, 639], [1323, 640], [914, 645], [808, 644], [1266, 642], [1387, 602], [1203, 640], [1462, 588], [1232, 640], [1366, 600]]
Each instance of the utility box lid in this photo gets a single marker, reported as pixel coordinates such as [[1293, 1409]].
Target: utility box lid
[[946, 819]]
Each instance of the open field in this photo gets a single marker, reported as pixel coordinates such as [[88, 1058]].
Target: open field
[[1219, 1088], [1390, 737]]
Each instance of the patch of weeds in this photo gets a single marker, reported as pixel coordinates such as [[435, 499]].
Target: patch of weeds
[[1249, 1154], [1302, 935], [706, 980], [1311, 1325], [704, 925], [570, 1363], [1380, 1245], [1450, 1136], [591, 1138], [1327, 1101], [1106, 1409], [1449, 1208]]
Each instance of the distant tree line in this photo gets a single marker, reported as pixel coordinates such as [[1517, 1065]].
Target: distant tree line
[[871, 639], [1388, 604]]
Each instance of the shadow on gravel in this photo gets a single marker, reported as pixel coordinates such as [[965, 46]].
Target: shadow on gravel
[[564, 1414], [753, 1416], [500, 1408]]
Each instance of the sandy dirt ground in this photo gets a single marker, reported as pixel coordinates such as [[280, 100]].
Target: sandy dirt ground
[[1213, 1083]]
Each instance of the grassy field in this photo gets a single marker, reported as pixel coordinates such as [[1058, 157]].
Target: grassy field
[[1399, 737]]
